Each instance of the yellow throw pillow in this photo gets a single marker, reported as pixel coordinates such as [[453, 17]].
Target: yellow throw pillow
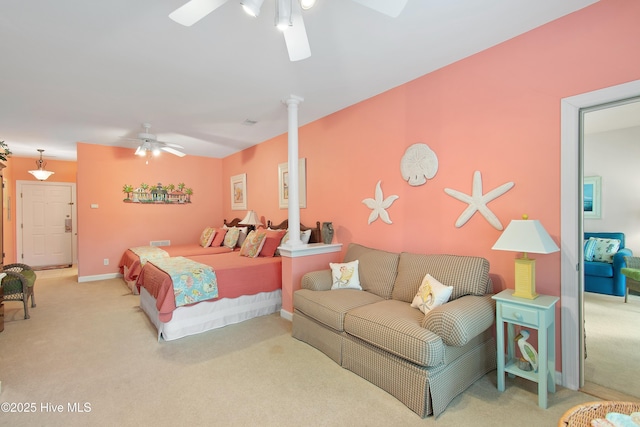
[[207, 237], [252, 245]]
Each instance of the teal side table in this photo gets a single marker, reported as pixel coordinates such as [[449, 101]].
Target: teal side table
[[536, 314]]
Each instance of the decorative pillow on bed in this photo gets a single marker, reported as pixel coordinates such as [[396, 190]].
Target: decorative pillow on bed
[[252, 244], [243, 235], [231, 238], [207, 236], [271, 242], [431, 294], [304, 236], [218, 239], [345, 275]]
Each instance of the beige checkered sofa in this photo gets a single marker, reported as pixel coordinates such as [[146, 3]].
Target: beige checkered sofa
[[425, 361]]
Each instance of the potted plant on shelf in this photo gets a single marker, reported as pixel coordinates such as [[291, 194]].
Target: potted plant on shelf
[[4, 151]]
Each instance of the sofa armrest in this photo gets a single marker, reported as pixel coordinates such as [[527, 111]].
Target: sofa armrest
[[317, 280], [460, 320], [618, 258]]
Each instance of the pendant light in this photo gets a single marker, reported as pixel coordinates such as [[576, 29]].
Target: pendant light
[[40, 173]]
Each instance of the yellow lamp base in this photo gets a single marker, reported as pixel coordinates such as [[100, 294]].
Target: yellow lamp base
[[525, 278]]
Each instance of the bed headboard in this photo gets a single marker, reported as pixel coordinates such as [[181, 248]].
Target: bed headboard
[[316, 234], [235, 222]]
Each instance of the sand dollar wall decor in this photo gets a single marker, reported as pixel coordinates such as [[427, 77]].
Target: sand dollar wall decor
[[418, 164]]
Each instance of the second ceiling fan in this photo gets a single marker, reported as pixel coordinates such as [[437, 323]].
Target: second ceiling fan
[[288, 17]]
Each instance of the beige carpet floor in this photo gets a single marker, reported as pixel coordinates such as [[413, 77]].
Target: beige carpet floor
[[613, 342], [89, 347]]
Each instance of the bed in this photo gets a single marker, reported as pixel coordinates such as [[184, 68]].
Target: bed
[[133, 259], [247, 288]]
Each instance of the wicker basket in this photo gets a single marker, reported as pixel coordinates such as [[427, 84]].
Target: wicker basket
[[581, 415]]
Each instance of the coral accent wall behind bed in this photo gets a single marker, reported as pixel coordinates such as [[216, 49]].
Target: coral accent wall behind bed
[[106, 232]]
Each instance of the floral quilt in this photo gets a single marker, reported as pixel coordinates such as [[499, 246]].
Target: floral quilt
[[192, 281], [147, 253]]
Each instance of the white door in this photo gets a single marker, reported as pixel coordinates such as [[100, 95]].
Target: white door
[[47, 227]]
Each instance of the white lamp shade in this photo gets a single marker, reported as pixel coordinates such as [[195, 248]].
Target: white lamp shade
[[41, 174], [526, 235], [251, 219]]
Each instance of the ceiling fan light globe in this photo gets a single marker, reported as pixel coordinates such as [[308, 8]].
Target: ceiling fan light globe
[[156, 151], [252, 7], [307, 4]]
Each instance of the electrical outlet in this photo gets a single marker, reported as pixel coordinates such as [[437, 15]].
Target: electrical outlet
[[106, 261]]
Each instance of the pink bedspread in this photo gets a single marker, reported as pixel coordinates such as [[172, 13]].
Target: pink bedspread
[[237, 275], [132, 261]]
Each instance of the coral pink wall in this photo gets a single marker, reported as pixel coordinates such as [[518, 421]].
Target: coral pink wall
[[18, 169], [115, 226], [497, 112]]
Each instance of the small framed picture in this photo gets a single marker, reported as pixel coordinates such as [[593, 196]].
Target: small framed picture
[[239, 192], [592, 197], [283, 184]]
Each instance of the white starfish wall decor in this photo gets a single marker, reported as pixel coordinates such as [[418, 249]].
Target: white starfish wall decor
[[379, 205], [478, 201]]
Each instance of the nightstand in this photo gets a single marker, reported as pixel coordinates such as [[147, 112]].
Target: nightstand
[[536, 314]]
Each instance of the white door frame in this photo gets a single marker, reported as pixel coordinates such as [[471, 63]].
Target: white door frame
[[571, 288], [74, 216]]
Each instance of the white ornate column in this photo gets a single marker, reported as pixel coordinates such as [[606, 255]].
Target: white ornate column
[[294, 191]]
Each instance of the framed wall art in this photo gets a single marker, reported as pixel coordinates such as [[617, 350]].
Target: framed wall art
[[239, 192], [283, 184], [592, 197]]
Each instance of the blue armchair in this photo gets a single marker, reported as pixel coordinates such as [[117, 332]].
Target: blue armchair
[[603, 277]]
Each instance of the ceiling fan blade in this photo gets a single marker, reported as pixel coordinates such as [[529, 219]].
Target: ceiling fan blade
[[172, 151], [194, 10], [296, 36], [392, 8], [169, 144]]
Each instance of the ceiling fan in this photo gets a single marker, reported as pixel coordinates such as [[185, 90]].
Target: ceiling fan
[[288, 17], [149, 143]]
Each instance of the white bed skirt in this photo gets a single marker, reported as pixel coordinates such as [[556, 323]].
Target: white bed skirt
[[207, 315]]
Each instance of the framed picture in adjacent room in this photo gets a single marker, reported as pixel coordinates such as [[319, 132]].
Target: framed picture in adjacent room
[[592, 197], [239, 192], [283, 184]]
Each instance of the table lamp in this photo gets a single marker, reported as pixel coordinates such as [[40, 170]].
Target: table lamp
[[251, 220], [527, 236]]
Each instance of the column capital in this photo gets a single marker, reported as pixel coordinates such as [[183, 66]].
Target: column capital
[[293, 100]]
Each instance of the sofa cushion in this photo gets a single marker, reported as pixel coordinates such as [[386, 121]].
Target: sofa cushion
[[468, 275], [378, 269], [329, 307], [599, 269], [395, 327]]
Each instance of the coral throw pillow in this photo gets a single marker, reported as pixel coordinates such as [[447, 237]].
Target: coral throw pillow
[[207, 236], [218, 239], [271, 242], [431, 294]]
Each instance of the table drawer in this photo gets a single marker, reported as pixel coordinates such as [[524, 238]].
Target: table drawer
[[518, 314]]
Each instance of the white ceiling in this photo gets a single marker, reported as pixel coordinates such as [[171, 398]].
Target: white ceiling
[[93, 71]]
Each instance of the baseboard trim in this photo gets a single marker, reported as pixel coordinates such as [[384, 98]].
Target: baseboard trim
[[605, 393], [286, 315], [97, 277]]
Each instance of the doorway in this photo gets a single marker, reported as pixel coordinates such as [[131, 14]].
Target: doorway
[[572, 302], [609, 151], [45, 230]]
